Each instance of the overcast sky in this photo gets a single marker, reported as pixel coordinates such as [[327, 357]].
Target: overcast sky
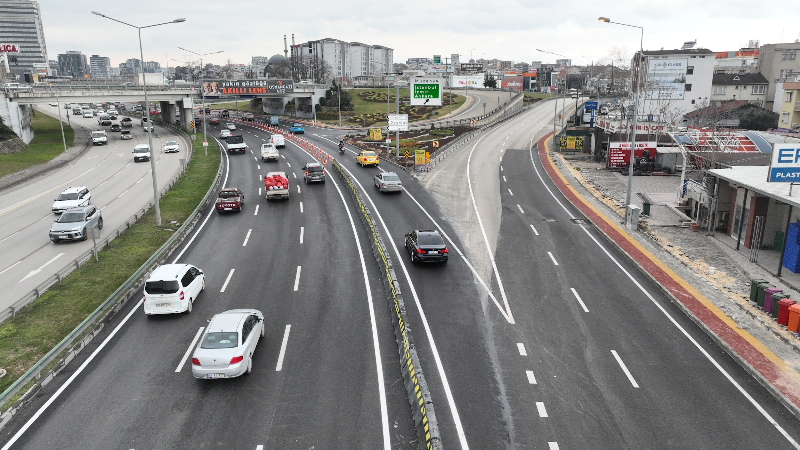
[[503, 29]]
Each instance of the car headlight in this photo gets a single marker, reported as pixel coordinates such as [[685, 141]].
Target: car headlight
[[76, 229]]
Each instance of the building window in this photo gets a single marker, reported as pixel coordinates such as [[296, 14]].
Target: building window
[[788, 97], [719, 90], [788, 56], [785, 73], [693, 101], [759, 89], [785, 117], [689, 70], [688, 87]]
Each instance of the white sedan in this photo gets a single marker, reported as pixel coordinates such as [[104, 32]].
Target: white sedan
[[228, 343], [171, 147], [230, 126], [224, 134]]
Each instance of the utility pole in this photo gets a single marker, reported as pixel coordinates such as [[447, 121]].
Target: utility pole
[[397, 111]]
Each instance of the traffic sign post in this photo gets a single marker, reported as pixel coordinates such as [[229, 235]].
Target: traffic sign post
[[205, 147], [426, 91], [398, 122], [435, 144]]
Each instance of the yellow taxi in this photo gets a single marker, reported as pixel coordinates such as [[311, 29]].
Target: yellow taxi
[[367, 158]]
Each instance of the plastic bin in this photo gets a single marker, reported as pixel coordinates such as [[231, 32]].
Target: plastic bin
[[794, 318], [761, 294], [754, 289], [768, 292], [784, 302], [646, 208]]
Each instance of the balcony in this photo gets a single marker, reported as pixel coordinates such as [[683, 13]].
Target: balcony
[[797, 106]]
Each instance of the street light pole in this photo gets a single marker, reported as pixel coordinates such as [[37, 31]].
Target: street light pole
[[202, 90], [635, 111], [147, 110]]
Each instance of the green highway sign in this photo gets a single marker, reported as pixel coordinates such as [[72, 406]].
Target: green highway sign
[[426, 91]]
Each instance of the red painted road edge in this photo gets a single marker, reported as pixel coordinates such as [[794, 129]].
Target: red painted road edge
[[780, 383]]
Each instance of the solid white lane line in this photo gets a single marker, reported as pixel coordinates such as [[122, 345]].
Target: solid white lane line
[[521, 348], [534, 230], [246, 238], [531, 378], [69, 381], [301, 207], [509, 191], [542, 411], [189, 350], [520, 209], [302, 231], [624, 369], [282, 353], [297, 278], [585, 309], [224, 285], [256, 212], [298, 188], [553, 258], [552, 445]]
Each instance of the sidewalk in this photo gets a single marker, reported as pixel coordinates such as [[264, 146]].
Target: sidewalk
[[705, 275]]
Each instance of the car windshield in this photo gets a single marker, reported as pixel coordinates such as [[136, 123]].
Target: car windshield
[[237, 139], [69, 217], [68, 196], [228, 194], [126, 132], [161, 287], [220, 340], [430, 239], [171, 143], [141, 150], [97, 134], [388, 177]]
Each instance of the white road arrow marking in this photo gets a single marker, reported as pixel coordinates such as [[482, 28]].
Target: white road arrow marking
[[34, 272]]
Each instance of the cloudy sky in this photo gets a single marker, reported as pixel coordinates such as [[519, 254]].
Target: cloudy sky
[[503, 29]]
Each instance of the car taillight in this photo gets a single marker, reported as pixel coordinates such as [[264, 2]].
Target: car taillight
[[237, 359], [383, 184], [306, 173], [181, 295], [443, 251], [195, 362], [419, 250]]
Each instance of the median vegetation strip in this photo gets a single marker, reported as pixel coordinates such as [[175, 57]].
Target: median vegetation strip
[[46, 145], [42, 324]]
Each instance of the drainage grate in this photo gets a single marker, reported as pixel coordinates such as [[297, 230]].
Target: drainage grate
[[580, 221]]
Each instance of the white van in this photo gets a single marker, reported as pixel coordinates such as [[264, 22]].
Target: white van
[[172, 288], [278, 140]]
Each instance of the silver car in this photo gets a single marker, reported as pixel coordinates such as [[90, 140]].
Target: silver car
[[74, 223], [388, 181], [228, 343]]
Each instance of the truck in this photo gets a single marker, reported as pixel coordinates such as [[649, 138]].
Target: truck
[[276, 185], [235, 144], [151, 79], [273, 120], [269, 152], [229, 199]]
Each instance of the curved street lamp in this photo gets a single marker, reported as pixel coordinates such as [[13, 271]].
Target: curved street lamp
[[202, 91], [147, 108]]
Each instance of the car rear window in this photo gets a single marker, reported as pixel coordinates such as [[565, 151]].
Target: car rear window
[[391, 178], [228, 194], [161, 287], [369, 154], [315, 168], [220, 340], [430, 239]]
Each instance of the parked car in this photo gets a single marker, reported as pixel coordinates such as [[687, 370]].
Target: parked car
[[173, 288], [141, 153], [426, 245], [171, 147], [388, 181], [74, 223], [313, 172], [224, 133], [72, 198], [228, 343], [125, 134], [116, 127], [230, 125], [297, 128]]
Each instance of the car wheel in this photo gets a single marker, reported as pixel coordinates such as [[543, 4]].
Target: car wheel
[[100, 223], [263, 330], [203, 286], [189, 308], [411, 255], [85, 236], [250, 364]]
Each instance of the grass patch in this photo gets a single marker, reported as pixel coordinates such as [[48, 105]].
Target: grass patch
[[46, 145], [243, 105], [41, 325]]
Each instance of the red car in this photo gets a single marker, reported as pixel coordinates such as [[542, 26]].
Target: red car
[[229, 199], [214, 121]]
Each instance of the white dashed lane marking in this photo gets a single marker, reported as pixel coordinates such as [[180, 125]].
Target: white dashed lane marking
[[521, 348], [224, 285]]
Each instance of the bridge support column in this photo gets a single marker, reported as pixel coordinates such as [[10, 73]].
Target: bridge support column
[[168, 112], [274, 105], [304, 107], [186, 106]]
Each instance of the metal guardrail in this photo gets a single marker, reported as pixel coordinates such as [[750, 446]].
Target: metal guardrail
[[37, 292], [69, 347], [417, 391]]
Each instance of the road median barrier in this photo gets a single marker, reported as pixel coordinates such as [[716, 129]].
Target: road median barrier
[[417, 391]]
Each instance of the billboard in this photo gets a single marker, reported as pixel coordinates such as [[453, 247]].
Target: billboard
[[512, 82], [9, 48], [214, 88], [784, 165], [438, 68], [468, 81], [667, 79], [471, 67], [619, 153], [426, 91]]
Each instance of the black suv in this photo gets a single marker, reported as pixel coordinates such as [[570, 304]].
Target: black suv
[[224, 113], [313, 172], [426, 245]]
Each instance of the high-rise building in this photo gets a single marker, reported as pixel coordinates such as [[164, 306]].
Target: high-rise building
[[353, 61], [99, 66], [133, 66], [52, 66], [21, 24], [73, 64]]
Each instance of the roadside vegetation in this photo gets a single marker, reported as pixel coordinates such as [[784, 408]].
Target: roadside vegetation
[[46, 145], [39, 326]]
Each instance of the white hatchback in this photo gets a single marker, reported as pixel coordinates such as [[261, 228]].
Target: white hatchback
[[172, 288]]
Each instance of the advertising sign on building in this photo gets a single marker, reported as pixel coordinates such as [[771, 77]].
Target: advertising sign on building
[[784, 165], [439, 68], [471, 67], [619, 153], [9, 48], [468, 81], [426, 91], [512, 82], [666, 79], [213, 88]]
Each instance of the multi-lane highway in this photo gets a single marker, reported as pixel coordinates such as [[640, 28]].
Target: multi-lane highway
[[537, 334], [119, 188]]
